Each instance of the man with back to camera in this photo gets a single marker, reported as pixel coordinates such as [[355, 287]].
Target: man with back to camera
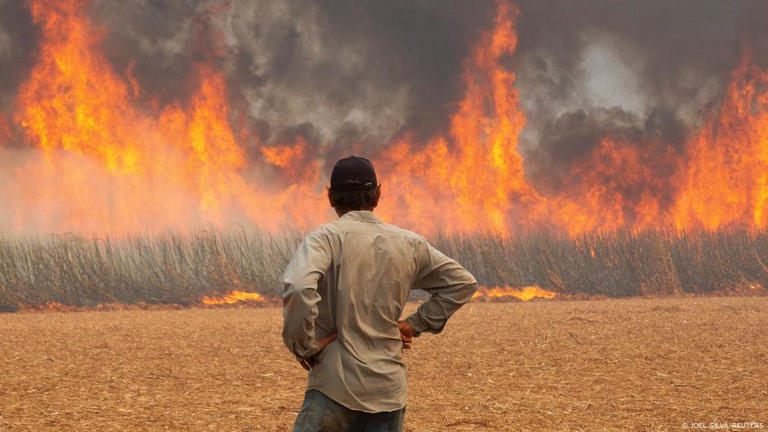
[[344, 291]]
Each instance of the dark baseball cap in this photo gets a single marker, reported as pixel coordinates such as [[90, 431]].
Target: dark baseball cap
[[353, 173]]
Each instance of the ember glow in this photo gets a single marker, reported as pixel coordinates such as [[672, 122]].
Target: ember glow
[[234, 297], [524, 294], [91, 158]]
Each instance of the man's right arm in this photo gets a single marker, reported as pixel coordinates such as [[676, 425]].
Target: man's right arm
[[300, 296], [450, 286]]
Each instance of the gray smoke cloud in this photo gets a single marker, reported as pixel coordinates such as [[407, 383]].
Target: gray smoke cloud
[[642, 72], [17, 46], [347, 76], [351, 76]]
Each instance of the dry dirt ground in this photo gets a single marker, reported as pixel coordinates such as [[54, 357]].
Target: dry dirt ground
[[642, 364]]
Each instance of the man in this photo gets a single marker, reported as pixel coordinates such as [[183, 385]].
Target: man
[[345, 290]]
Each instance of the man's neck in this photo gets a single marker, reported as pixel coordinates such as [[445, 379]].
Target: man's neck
[[343, 212]]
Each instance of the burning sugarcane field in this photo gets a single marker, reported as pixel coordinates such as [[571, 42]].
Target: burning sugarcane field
[[516, 215]]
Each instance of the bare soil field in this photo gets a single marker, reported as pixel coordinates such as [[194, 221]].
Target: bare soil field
[[640, 364]]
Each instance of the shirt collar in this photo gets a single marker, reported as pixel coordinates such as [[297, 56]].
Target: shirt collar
[[361, 216]]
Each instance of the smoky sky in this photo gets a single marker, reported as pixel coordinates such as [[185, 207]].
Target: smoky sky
[[351, 76], [640, 72]]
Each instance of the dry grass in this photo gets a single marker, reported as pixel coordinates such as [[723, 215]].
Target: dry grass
[[181, 268], [639, 364]]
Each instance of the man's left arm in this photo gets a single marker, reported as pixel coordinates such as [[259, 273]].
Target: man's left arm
[[300, 297], [450, 286]]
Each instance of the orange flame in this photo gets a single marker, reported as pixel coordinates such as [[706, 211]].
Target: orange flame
[[524, 294], [233, 298], [476, 171], [107, 166], [598, 201], [725, 179], [719, 178]]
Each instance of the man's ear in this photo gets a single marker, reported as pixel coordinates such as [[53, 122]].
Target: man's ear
[[330, 200], [378, 195]]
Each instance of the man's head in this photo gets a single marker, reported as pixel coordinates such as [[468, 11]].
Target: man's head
[[353, 185]]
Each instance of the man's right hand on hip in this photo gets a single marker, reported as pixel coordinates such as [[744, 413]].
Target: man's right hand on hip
[[406, 333]]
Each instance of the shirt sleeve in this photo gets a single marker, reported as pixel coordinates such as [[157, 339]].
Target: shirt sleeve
[[300, 297], [450, 286]]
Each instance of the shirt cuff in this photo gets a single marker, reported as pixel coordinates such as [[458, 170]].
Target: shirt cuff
[[417, 323], [307, 352]]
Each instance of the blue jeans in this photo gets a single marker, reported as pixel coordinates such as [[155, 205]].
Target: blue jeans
[[319, 413]]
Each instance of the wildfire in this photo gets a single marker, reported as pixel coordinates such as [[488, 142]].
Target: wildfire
[[524, 294], [724, 180], [99, 161], [717, 180], [475, 171], [106, 165], [233, 298]]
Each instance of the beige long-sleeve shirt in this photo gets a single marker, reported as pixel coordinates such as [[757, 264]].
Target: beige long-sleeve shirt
[[352, 277]]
